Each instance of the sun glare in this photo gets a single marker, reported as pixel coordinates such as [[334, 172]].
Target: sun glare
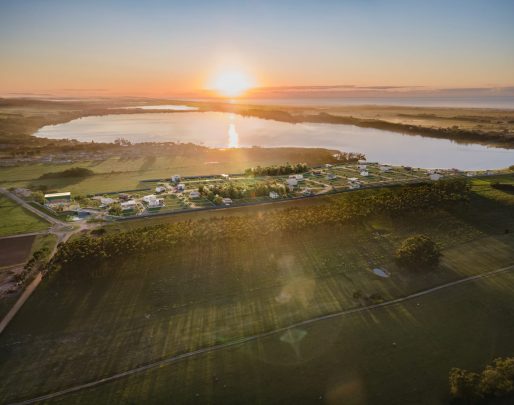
[[232, 83]]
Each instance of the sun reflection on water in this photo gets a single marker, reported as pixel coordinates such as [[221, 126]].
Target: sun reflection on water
[[233, 136]]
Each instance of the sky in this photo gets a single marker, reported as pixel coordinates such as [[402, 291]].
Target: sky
[[165, 48]]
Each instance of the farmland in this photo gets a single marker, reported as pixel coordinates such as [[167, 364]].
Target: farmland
[[198, 295], [15, 219]]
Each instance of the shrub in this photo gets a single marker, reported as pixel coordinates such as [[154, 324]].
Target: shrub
[[418, 251]]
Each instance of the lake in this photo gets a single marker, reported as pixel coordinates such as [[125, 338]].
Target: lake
[[227, 130]]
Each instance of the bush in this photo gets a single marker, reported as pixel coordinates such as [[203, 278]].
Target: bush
[[418, 251], [496, 380], [73, 172]]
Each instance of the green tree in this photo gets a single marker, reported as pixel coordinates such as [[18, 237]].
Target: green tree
[[38, 197], [418, 251], [115, 209], [464, 384]]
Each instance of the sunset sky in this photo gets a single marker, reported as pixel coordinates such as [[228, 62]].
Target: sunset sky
[[165, 48]]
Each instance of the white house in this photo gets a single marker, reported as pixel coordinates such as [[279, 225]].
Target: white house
[[353, 183], [299, 177], [194, 194], [470, 174], [292, 182], [226, 201], [148, 198], [181, 187], [105, 201], [175, 178], [273, 195], [307, 191], [225, 176], [160, 189], [156, 203], [363, 167], [128, 205], [435, 176], [328, 165], [385, 168], [364, 173]]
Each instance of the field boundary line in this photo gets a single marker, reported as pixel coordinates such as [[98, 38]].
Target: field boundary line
[[240, 341]]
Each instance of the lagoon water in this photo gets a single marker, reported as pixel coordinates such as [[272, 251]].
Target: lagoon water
[[230, 130]]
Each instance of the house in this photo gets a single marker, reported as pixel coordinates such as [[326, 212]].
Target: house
[[307, 191], [299, 177], [175, 178], [226, 201], [363, 166], [123, 197], [160, 189], [385, 168], [291, 182], [331, 176], [328, 165], [225, 177], [148, 198], [317, 172], [58, 198], [435, 176], [106, 201], [128, 205], [273, 195], [364, 173], [194, 194], [181, 187], [156, 203], [353, 183], [353, 186], [470, 174]]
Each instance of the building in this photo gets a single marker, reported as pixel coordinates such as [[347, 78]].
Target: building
[[23, 192], [353, 183], [331, 176], [128, 205], [385, 168], [58, 198], [273, 195], [328, 165], [160, 189], [225, 177], [364, 173], [435, 176], [156, 203], [307, 191], [226, 201], [181, 187], [175, 178], [292, 182], [194, 194], [123, 197], [148, 198], [104, 201], [299, 177], [363, 166]]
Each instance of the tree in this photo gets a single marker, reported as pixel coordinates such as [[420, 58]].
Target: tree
[[464, 384], [418, 251], [38, 197], [115, 209]]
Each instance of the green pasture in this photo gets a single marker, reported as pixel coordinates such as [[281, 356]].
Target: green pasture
[[15, 220]]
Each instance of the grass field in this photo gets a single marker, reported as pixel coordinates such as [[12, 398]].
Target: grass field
[[399, 354], [171, 302], [15, 219]]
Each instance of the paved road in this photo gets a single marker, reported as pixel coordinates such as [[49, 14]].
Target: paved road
[[174, 359], [30, 208]]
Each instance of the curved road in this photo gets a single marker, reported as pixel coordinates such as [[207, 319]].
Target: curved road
[[204, 350]]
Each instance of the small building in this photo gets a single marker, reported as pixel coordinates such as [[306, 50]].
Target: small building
[[148, 198], [194, 194], [181, 187], [299, 177], [470, 174], [363, 166], [307, 191], [23, 192], [353, 183], [106, 201], [160, 189], [364, 173], [156, 203], [435, 176], [123, 197], [175, 178], [292, 182], [226, 201], [328, 165], [331, 176], [385, 168], [273, 195], [225, 176], [58, 198], [317, 172], [128, 205]]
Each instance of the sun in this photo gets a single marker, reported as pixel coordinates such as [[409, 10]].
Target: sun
[[231, 83]]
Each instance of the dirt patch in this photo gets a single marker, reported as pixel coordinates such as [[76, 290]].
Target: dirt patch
[[15, 250]]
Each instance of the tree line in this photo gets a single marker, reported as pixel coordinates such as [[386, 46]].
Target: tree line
[[83, 255]]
